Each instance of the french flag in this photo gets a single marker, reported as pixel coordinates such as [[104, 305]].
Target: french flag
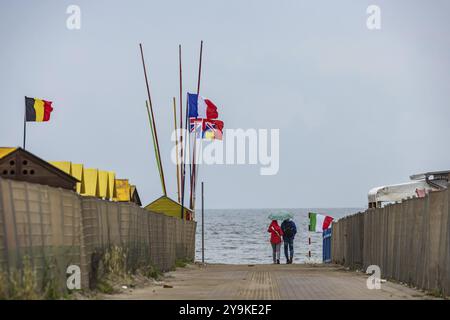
[[200, 107]]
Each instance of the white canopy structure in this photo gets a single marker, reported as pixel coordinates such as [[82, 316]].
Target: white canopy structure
[[422, 184]]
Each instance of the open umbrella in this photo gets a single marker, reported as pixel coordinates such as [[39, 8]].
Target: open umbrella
[[281, 215]]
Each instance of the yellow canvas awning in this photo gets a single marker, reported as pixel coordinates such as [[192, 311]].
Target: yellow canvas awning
[[112, 185], [103, 184], [90, 182], [75, 170], [95, 182], [77, 173], [122, 190], [65, 166]]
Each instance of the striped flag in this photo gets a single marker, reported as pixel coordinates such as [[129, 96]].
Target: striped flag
[[37, 109], [319, 222], [200, 107]]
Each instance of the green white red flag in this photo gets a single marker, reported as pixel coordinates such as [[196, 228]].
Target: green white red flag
[[319, 222]]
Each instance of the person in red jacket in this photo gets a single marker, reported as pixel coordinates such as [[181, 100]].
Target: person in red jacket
[[275, 240]]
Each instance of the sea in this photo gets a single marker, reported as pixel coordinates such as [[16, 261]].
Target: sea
[[239, 236]]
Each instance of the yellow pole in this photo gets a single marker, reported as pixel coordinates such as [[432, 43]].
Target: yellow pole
[[158, 162]]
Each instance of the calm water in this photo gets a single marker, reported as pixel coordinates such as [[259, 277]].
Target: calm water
[[239, 236]]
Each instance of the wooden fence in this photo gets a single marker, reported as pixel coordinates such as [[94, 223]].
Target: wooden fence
[[52, 228], [409, 241]]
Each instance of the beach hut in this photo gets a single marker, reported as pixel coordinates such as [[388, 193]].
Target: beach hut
[[75, 170], [169, 207], [123, 190], [135, 195], [126, 192], [19, 164], [100, 183]]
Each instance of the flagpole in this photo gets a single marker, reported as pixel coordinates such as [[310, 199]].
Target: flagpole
[[153, 120], [25, 124], [309, 246], [183, 169], [176, 145], [181, 87], [181, 107], [194, 171], [200, 67], [309, 237], [203, 225]]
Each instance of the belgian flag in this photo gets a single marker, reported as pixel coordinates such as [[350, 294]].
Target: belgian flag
[[37, 109]]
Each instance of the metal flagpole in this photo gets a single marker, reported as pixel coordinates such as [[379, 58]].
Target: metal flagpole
[[25, 124], [194, 170], [309, 247], [153, 119], [200, 67], [203, 226], [309, 237]]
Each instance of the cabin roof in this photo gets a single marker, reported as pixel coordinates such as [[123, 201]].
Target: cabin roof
[[7, 151], [135, 195], [4, 151], [171, 200]]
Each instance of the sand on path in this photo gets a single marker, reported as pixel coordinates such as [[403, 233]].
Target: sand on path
[[255, 282]]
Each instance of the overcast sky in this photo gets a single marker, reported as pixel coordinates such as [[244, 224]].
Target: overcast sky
[[356, 108]]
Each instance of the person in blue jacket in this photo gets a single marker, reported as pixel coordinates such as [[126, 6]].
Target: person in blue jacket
[[289, 231]]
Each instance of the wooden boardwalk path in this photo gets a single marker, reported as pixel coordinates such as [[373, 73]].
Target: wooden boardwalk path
[[268, 282]]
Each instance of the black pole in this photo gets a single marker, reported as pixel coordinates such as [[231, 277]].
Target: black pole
[[203, 227], [25, 124]]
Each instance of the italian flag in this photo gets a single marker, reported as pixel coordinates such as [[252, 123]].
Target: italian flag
[[319, 222]]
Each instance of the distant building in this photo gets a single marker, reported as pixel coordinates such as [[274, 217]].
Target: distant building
[[419, 186], [169, 207], [19, 164]]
